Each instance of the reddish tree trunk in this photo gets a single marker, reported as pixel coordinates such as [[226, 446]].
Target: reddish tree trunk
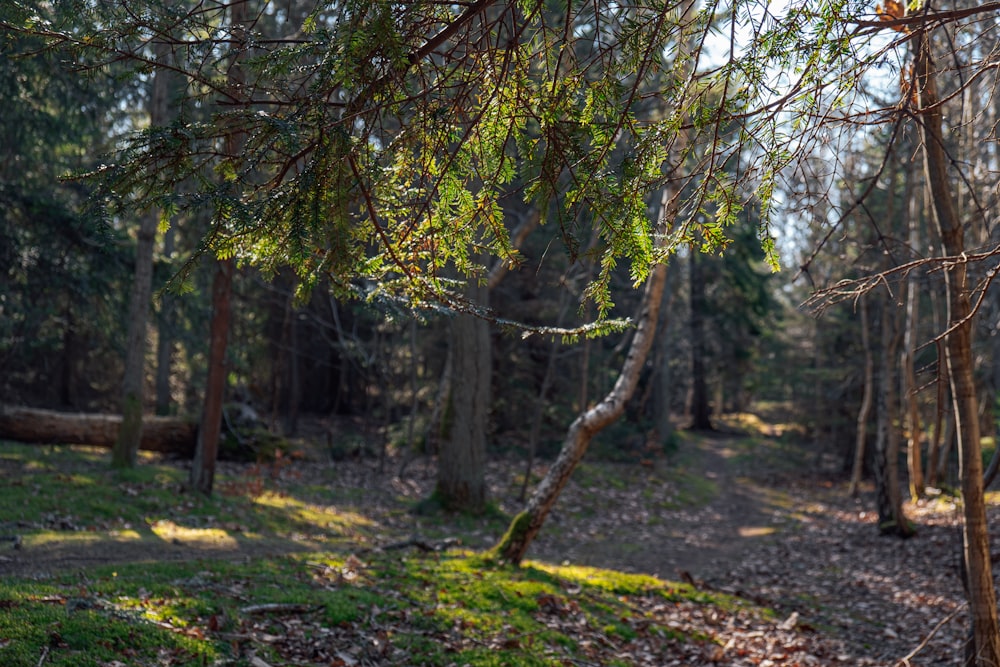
[[207, 450], [203, 465]]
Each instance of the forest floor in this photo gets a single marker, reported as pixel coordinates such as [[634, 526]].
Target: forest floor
[[742, 511]]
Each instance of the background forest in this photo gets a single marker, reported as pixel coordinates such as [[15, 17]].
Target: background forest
[[417, 231], [372, 374]]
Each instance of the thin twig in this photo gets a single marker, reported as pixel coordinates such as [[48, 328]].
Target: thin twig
[[419, 543], [45, 654], [905, 661], [279, 608]]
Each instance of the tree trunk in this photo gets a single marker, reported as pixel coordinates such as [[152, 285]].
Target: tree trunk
[[203, 465], [994, 466], [522, 530], [207, 449], [934, 470], [866, 402], [165, 338], [124, 453], [912, 407], [169, 435], [891, 519], [958, 348], [525, 526], [663, 389], [461, 482], [913, 450], [698, 405]]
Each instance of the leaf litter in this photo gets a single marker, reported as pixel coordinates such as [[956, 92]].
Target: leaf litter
[[840, 593]]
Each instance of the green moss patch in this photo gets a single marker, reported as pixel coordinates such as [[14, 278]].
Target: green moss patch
[[450, 608]]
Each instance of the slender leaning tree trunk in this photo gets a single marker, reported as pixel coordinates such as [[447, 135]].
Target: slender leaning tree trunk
[[525, 526], [514, 544], [958, 354], [126, 447]]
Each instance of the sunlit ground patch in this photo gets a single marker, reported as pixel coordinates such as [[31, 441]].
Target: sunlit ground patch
[[609, 580], [81, 539], [320, 516], [756, 531], [208, 537]]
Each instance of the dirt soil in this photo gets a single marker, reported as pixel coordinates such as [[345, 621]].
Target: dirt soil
[[723, 512], [794, 542]]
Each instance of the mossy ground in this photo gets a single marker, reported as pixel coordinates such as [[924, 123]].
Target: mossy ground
[[450, 608], [400, 607]]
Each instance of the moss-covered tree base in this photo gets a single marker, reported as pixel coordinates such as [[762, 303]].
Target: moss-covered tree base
[[513, 545]]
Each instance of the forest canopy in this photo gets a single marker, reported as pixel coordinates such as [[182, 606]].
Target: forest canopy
[[382, 143]]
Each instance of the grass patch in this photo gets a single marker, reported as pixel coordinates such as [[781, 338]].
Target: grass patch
[[54, 492], [693, 488], [602, 477], [319, 608]]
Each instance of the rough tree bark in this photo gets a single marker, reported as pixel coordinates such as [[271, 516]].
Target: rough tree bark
[[941, 396], [913, 454], [165, 339], [891, 518], [207, 448], [461, 482], [958, 354]]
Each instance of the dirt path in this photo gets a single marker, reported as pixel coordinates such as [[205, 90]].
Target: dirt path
[[786, 539], [698, 525]]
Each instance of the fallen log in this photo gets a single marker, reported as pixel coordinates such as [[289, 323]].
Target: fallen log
[[169, 435]]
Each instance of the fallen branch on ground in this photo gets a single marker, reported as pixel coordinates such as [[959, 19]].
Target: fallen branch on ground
[[279, 608], [419, 543], [905, 660]]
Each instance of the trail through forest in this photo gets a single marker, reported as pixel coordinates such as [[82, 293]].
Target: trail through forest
[[771, 531], [727, 511]]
